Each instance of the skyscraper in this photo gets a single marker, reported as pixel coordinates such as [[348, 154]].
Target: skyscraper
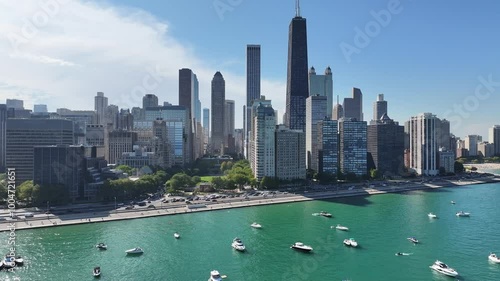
[[423, 144], [149, 100], [297, 86], [386, 145], [471, 142], [206, 123], [264, 120], [352, 152], [229, 119], [315, 111], [13, 103], [3, 136], [379, 108], [290, 154], [328, 146], [353, 107], [494, 136], [218, 116], [100, 105], [322, 85], [338, 111], [40, 108], [253, 81]]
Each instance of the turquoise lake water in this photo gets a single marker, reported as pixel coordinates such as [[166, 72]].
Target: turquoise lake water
[[379, 223]]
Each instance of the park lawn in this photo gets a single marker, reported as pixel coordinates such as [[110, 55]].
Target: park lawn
[[206, 178]]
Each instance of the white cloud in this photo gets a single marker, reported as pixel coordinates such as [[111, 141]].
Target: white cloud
[[82, 47]]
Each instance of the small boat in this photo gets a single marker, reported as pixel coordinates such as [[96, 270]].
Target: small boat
[[238, 244], [402, 254], [340, 227], [432, 216], [325, 214], [443, 268], [452, 202], [177, 235], [256, 225], [134, 251], [215, 276], [19, 260], [101, 246], [463, 214], [300, 246], [97, 271], [413, 239], [494, 258], [350, 242], [8, 262]]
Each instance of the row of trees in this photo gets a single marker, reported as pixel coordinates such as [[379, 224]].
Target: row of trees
[[125, 188]]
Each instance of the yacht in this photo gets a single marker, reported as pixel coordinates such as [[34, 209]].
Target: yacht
[[300, 246], [441, 267], [177, 235], [340, 227], [432, 216], [452, 202], [101, 246], [494, 258], [238, 244], [97, 271], [350, 242], [325, 214], [402, 254], [256, 225], [19, 260], [134, 251], [463, 214], [215, 276], [413, 239]]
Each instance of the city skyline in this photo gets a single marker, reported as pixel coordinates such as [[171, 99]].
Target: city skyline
[[448, 71]]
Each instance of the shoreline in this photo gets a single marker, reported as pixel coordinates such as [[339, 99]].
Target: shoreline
[[100, 217]]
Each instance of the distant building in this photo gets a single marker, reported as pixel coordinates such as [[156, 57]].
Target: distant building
[[16, 104], [328, 146], [322, 85], [352, 152], [118, 143], [138, 158], [61, 165], [486, 149], [3, 135], [494, 137], [218, 113], [100, 105], [22, 135], [290, 154], [353, 107], [206, 125], [338, 111], [40, 108], [229, 124], [253, 83], [316, 110], [95, 136], [443, 133], [471, 142], [149, 100], [379, 108], [423, 144]]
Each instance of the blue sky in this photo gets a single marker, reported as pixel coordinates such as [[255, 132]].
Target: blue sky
[[428, 58]]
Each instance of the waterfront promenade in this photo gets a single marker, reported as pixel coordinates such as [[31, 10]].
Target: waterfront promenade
[[51, 220]]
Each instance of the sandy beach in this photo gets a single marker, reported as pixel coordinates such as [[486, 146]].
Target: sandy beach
[[485, 167], [41, 220]]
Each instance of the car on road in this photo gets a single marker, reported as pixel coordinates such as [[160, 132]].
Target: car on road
[[129, 207], [151, 206]]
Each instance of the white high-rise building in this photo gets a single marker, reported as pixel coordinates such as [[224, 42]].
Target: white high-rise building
[[263, 141], [423, 144], [471, 142], [290, 154], [322, 85], [316, 110]]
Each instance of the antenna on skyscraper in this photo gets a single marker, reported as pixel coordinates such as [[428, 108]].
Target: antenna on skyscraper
[[297, 8]]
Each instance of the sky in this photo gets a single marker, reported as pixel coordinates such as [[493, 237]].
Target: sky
[[441, 57]]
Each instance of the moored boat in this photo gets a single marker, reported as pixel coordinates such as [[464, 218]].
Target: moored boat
[[177, 235], [215, 276], [462, 214], [325, 214], [350, 242], [301, 247], [134, 251], [494, 258], [256, 225], [238, 244], [101, 246], [341, 227], [432, 216], [413, 239], [443, 268], [97, 271]]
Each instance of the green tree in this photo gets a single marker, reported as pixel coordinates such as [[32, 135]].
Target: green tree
[[459, 167], [374, 174], [218, 183], [179, 181], [126, 169], [28, 191]]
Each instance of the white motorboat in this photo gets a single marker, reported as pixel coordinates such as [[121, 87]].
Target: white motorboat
[[463, 214], [19, 261], [177, 235], [432, 216], [403, 254], [97, 271], [413, 239], [452, 202], [325, 214], [350, 242], [101, 246], [300, 246], [238, 244], [215, 276], [9, 262], [340, 227], [256, 225], [134, 251], [494, 258], [443, 268]]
